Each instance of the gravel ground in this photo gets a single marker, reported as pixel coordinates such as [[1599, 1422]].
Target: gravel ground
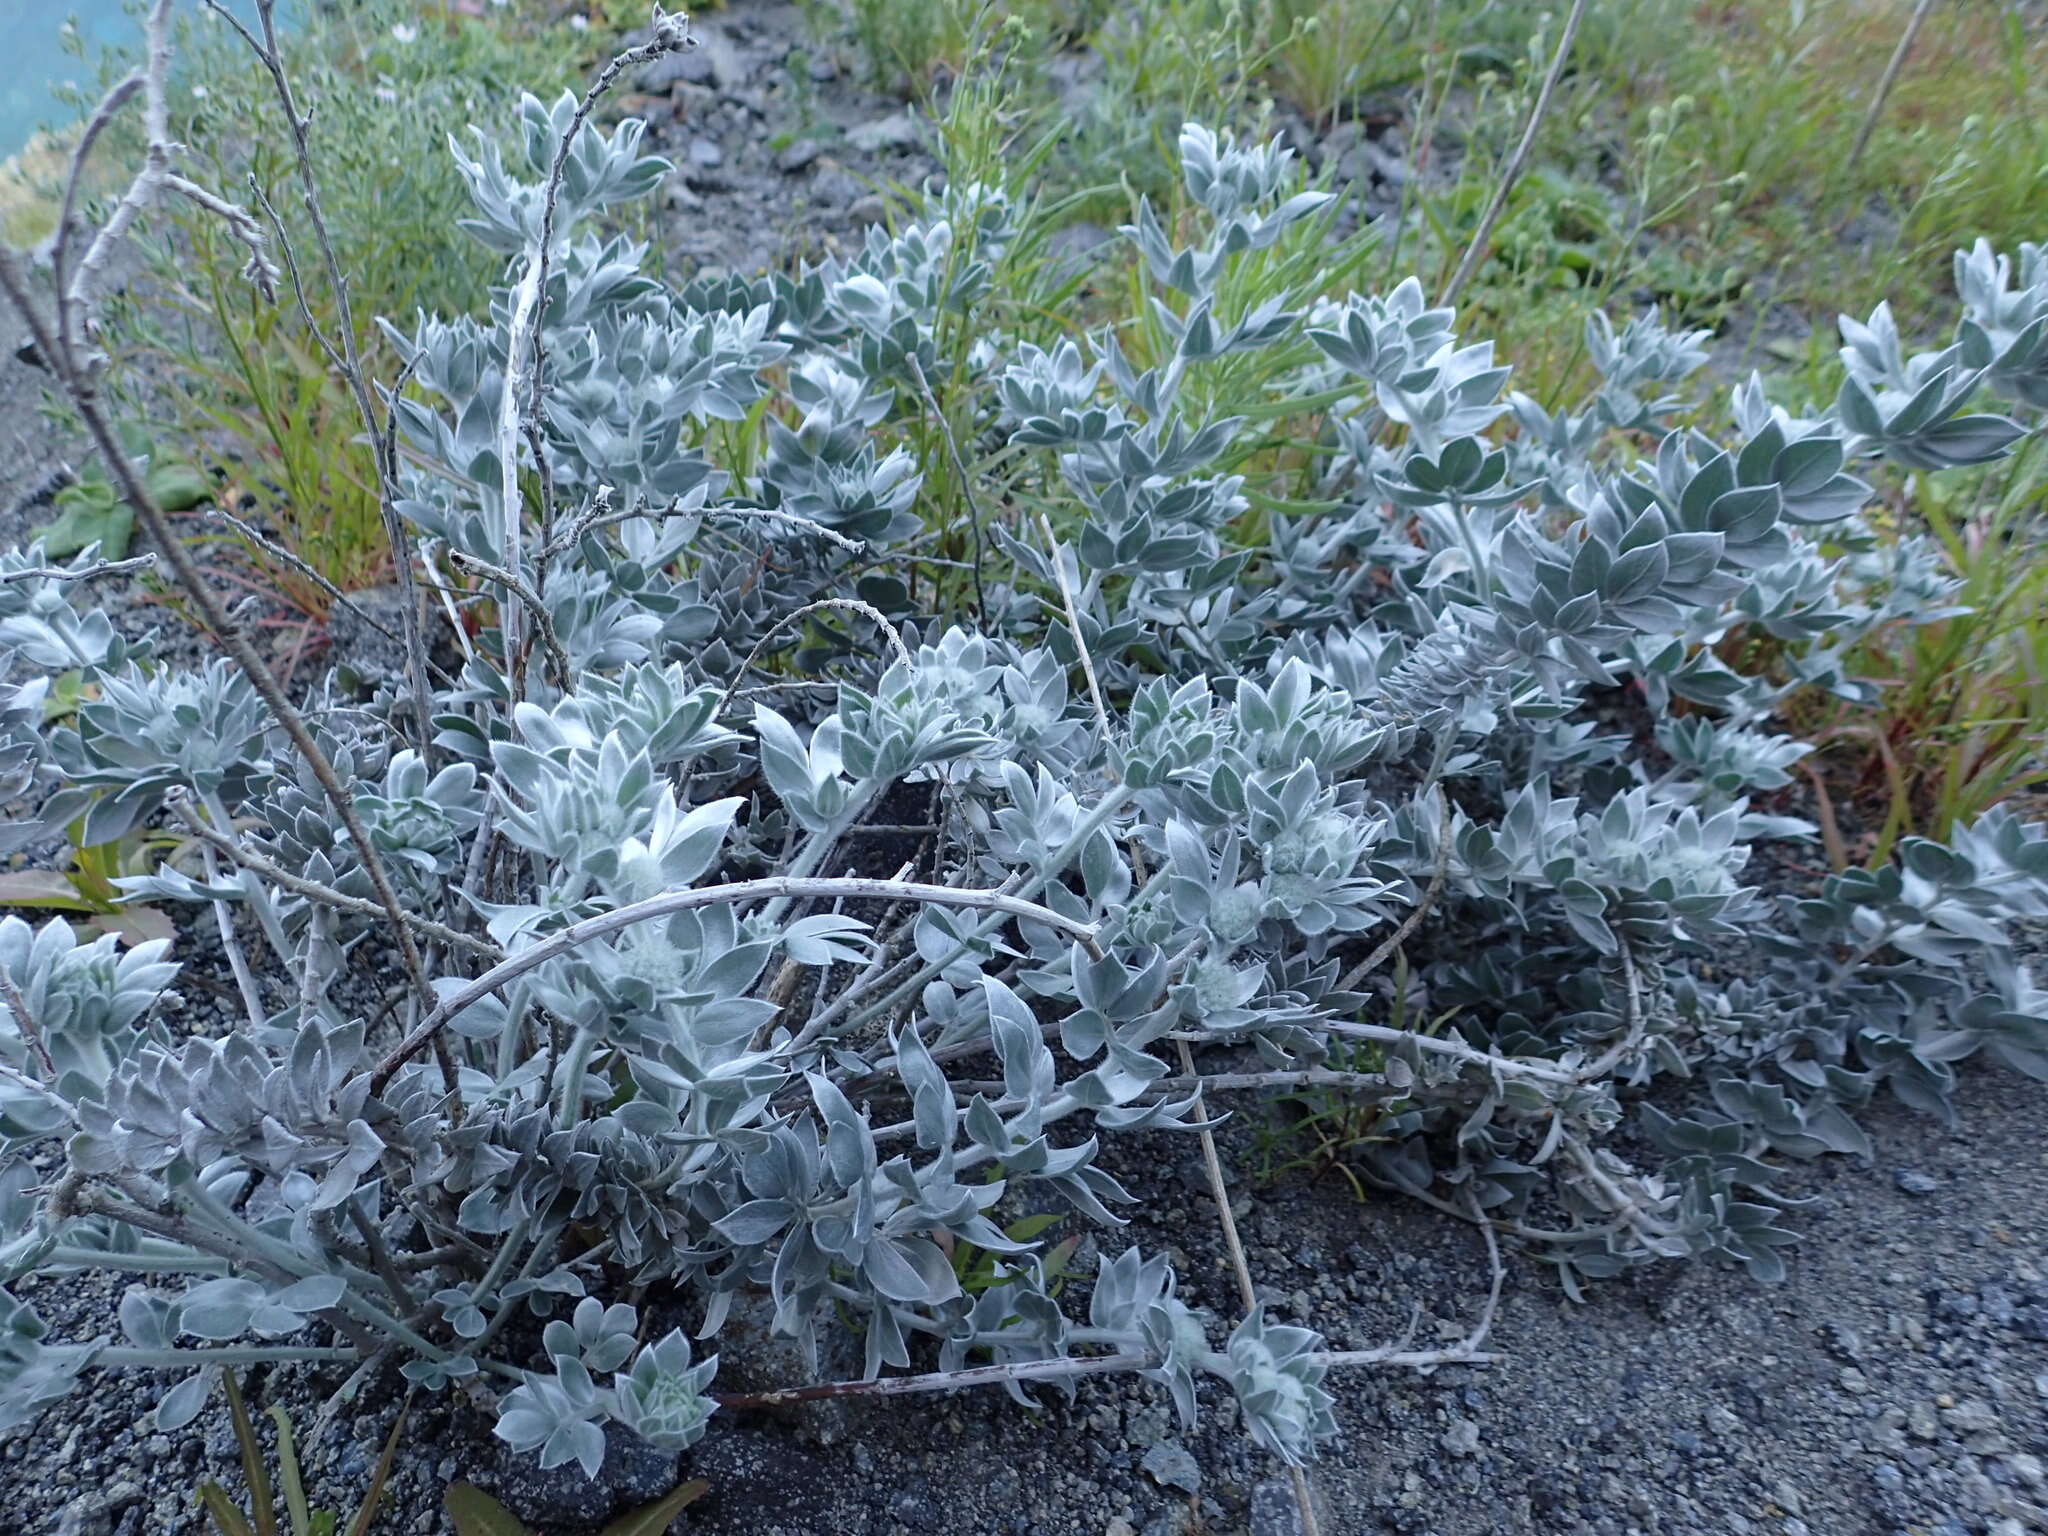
[[1895, 1385]]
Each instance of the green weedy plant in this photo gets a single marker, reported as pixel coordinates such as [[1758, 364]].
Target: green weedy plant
[[678, 1024]]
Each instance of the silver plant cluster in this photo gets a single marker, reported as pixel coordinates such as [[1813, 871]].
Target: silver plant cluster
[[684, 1042]]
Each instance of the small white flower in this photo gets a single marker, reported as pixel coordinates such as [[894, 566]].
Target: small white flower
[[199, 93], [405, 32], [387, 95], [579, 23]]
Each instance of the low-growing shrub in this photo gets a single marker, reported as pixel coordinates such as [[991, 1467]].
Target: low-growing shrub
[[1245, 693]]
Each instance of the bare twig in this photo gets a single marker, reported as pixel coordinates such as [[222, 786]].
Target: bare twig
[[110, 106], [543, 622], [974, 514], [1886, 81], [96, 569], [775, 887], [1512, 171], [1409, 924], [73, 298], [25, 1023], [1057, 1370], [1247, 1294], [849, 604], [341, 349], [1435, 1045], [808, 525], [1059, 570], [77, 372], [276, 551], [312, 890], [525, 352]]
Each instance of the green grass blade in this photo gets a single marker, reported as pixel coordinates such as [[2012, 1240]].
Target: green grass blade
[[288, 1473], [476, 1513], [374, 1495], [253, 1467], [229, 1520]]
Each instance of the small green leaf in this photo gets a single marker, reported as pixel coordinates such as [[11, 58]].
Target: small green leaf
[[374, 1494], [653, 1519], [476, 1513], [1030, 1226]]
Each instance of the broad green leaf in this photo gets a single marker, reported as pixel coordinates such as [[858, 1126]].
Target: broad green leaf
[[80, 525], [476, 1513], [41, 888], [653, 1519], [179, 487]]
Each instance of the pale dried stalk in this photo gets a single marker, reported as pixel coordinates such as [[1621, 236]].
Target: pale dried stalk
[[774, 887], [525, 351], [77, 373], [25, 1023], [1059, 571], [1057, 1370], [846, 604], [1247, 1294], [1409, 924], [97, 568], [312, 890], [1885, 82], [342, 352], [1512, 171], [517, 589]]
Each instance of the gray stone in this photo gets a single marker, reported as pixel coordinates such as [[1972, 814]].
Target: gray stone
[[1462, 1438], [1275, 1512], [706, 152], [721, 60], [800, 156], [833, 187], [896, 131], [86, 1516], [1914, 1182], [1972, 1416], [665, 72], [1171, 1466]]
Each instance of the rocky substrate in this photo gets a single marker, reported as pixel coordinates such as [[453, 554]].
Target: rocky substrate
[[1895, 1385]]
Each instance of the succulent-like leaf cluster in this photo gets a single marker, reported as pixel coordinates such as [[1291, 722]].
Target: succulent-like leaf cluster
[[701, 1034]]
